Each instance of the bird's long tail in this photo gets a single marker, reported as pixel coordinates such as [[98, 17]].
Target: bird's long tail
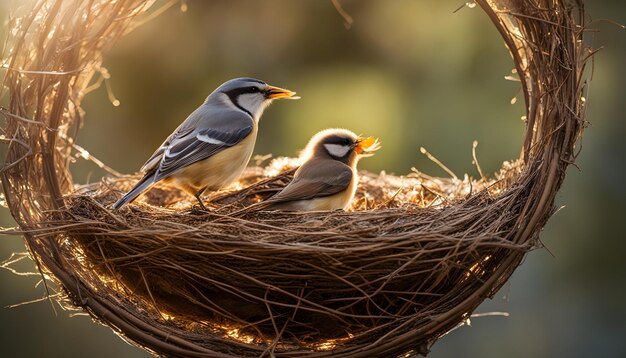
[[144, 184]]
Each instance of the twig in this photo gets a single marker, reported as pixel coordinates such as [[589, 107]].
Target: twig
[[347, 19]]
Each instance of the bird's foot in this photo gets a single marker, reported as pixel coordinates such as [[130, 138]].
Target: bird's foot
[[200, 203], [202, 206]]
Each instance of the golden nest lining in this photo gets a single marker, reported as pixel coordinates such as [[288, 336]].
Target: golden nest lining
[[412, 262]]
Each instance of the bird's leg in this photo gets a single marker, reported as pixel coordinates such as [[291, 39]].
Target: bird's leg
[[197, 195]]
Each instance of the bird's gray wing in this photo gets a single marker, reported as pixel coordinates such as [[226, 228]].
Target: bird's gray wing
[[203, 134], [153, 162], [315, 179]]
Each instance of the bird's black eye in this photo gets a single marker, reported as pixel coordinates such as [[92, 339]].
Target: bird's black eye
[[253, 89]]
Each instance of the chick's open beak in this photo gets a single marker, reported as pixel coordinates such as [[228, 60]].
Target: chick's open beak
[[277, 93], [367, 146]]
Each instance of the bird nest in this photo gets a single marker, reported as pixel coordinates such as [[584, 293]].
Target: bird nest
[[410, 262]]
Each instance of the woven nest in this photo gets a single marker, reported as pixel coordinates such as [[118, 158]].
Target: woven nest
[[412, 261]]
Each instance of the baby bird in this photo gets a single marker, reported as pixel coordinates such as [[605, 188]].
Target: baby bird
[[328, 178], [212, 147]]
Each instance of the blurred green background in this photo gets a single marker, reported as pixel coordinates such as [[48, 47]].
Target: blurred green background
[[410, 72]]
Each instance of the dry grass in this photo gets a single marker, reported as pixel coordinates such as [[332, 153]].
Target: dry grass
[[413, 259]]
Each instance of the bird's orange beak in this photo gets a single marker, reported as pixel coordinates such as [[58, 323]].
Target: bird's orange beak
[[278, 93], [367, 146]]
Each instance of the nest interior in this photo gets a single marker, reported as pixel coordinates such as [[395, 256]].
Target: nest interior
[[413, 259]]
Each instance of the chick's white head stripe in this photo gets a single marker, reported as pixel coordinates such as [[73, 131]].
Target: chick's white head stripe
[[337, 150]]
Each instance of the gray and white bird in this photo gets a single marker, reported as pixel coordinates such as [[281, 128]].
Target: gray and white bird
[[212, 147], [327, 178]]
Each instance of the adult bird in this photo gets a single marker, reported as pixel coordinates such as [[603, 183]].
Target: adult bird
[[212, 147], [328, 177]]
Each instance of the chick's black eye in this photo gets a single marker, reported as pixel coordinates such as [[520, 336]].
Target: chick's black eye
[[253, 89]]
